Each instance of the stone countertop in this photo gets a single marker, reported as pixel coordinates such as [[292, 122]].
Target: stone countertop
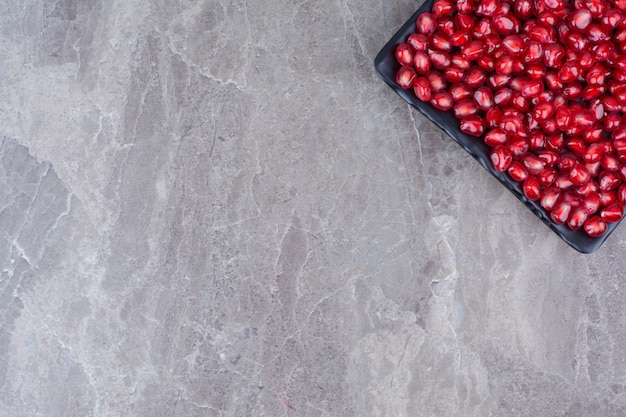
[[218, 209]]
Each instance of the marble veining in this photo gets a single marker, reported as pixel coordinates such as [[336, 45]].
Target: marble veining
[[216, 208]]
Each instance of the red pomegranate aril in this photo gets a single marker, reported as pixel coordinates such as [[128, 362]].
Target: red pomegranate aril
[[549, 198], [484, 98], [611, 19], [603, 50], [560, 213], [442, 8], [591, 92], [506, 24], [426, 23], [418, 41], [612, 213], [541, 33], [492, 117], [567, 161], [421, 88], [536, 71], [464, 20], [473, 50], [577, 218], [513, 44], [520, 102], [579, 19], [442, 100], [517, 171], [543, 111], [555, 141], [460, 37], [591, 202], [501, 158], [621, 194], [596, 75], [584, 119], [440, 42], [594, 134], [610, 103], [576, 41], [612, 121], [487, 7], [596, 33], [524, 9], [436, 80], [594, 169], [440, 60], [495, 137], [465, 108], [563, 117], [563, 182], [533, 163], [593, 153], [406, 77], [553, 55], [496, 81], [518, 146], [595, 226], [458, 60], [607, 197], [533, 53], [446, 26], [475, 77], [486, 62], [609, 162], [460, 91], [483, 28], [404, 54], [454, 74], [547, 176], [569, 72], [493, 46], [536, 140], [531, 188], [532, 124], [421, 62], [553, 82], [550, 158], [472, 125], [609, 180], [579, 175], [576, 145]]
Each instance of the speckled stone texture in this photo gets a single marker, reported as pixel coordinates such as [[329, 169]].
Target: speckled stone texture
[[218, 209]]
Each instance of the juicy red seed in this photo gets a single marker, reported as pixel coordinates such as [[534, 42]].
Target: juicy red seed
[[549, 198], [406, 77], [442, 8], [473, 50], [495, 137], [421, 62], [501, 158], [475, 77], [579, 19], [591, 202], [460, 37], [460, 91], [465, 108], [436, 80], [442, 100], [426, 23], [513, 44], [440, 60], [454, 74], [484, 98], [404, 54], [560, 213], [612, 213], [595, 226], [421, 88], [418, 41], [493, 117], [577, 218], [579, 175], [609, 162], [609, 180], [487, 7], [531, 188], [440, 42], [547, 176], [517, 171]]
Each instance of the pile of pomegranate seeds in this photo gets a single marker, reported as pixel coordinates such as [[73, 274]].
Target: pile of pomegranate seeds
[[543, 82]]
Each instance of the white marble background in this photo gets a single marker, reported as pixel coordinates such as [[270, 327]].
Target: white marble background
[[216, 208]]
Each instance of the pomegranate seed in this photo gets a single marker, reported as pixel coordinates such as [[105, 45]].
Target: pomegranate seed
[[459, 61], [442, 7], [464, 20], [436, 80], [484, 98], [418, 41], [426, 23], [442, 100], [547, 176], [577, 218], [531, 188], [579, 19], [517, 171], [591, 202], [404, 54], [506, 24], [495, 137], [440, 60], [569, 72], [421, 62], [621, 194], [475, 77], [454, 74], [513, 44], [612, 213], [611, 19], [487, 7], [543, 111], [421, 88], [460, 91], [609, 180], [473, 50], [406, 77], [595, 226], [579, 175], [549, 197], [460, 37], [465, 108], [493, 117], [524, 9], [501, 158], [560, 213], [483, 28], [607, 197]]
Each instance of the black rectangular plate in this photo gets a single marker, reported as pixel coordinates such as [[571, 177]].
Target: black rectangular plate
[[387, 66]]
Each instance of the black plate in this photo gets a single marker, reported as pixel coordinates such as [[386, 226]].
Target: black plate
[[387, 66]]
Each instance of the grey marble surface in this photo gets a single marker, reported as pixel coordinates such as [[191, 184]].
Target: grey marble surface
[[218, 209]]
